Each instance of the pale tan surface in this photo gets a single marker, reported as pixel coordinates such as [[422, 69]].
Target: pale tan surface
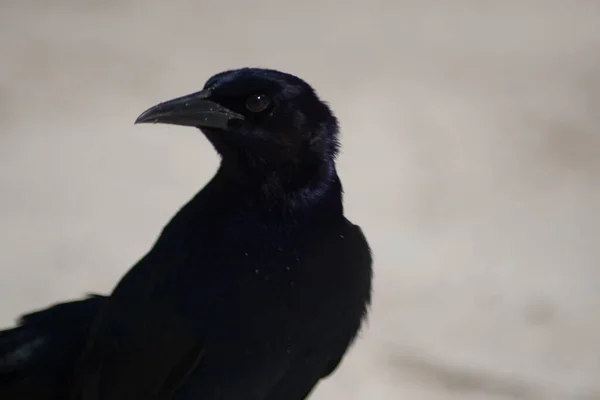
[[471, 133]]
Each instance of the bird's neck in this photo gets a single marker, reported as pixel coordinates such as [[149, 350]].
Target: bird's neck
[[289, 190], [291, 186], [274, 197]]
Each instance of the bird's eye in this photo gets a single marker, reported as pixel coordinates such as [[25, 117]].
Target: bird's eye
[[257, 103]]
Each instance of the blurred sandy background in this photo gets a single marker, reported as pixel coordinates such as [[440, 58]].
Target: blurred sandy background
[[471, 158]]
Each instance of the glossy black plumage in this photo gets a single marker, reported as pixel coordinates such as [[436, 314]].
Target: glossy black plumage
[[258, 285]]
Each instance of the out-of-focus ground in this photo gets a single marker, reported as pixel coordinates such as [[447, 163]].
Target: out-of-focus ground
[[471, 134]]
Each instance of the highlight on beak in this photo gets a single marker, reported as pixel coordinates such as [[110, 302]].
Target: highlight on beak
[[190, 110]]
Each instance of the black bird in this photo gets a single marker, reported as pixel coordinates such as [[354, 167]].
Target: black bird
[[257, 287]]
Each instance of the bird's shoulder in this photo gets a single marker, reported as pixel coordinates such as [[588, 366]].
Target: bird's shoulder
[[344, 252], [339, 278]]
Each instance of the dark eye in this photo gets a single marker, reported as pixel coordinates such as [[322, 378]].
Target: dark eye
[[257, 103]]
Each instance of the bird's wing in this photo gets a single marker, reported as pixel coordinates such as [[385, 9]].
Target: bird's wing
[[143, 356], [37, 356], [359, 260], [346, 254], [299, 381], [354, 273], [141, 346]]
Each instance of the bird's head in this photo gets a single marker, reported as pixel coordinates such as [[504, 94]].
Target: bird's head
[[257, 118]]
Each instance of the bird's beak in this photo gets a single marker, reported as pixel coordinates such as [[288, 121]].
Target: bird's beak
[[191, 110]]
